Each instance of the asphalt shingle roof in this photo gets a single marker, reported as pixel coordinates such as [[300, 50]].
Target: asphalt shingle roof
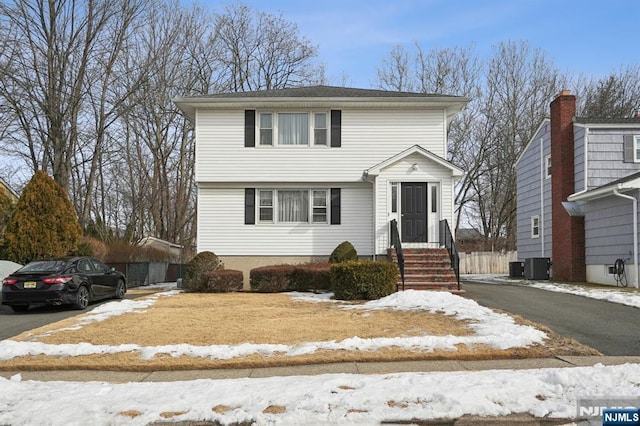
[[324, 92]]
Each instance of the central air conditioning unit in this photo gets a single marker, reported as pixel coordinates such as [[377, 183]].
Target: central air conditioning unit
[[537, 268]]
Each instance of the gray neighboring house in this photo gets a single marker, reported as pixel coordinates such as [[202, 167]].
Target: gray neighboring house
[[578, 184]]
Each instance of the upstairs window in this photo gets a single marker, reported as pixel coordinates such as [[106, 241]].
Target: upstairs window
[[535, 226], [266, 129], [320, 128], [547, 167], [292, 129], [636, 150]]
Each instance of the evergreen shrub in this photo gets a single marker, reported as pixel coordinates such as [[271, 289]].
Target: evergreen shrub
[[194, 279], [363, 280], [43, 223], [344, 252]]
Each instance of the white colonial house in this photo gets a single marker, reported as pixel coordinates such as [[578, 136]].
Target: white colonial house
[[284, 176]]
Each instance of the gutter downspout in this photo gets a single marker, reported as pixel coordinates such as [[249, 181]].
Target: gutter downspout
[[542, 182], [635, 232]]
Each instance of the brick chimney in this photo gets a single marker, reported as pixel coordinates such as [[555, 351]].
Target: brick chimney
[[568, 248]]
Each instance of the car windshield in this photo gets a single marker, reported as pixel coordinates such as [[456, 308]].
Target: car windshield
[[43, 266]]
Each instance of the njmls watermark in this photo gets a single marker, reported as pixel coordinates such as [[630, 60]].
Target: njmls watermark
[[594, 410]]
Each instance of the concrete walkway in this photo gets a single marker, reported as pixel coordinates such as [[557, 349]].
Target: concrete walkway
[[316, 369]]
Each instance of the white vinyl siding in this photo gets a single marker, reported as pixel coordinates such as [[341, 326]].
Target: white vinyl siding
[[221, 227], [368, 138]]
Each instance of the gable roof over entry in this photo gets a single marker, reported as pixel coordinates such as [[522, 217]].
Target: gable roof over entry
[[415, 149]]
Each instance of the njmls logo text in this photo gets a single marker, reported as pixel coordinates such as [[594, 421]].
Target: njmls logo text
[[595, 408], [621, 417]]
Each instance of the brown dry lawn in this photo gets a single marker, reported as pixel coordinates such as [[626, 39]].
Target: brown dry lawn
[[235, 318]]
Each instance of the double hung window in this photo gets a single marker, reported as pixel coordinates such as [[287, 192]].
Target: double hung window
[[293, 128], [535, 226], [293, 205]]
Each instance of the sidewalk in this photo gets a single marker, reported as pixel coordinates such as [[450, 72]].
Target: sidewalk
[[317, 369]]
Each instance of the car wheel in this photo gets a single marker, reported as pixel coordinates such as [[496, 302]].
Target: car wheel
[[82, 298], [120, 290], [20, 308]]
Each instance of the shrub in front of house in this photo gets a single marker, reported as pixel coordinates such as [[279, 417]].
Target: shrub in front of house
[[311, 276], [223, 281], [344, 252], [271, 279], [363, 280], [194, 279]]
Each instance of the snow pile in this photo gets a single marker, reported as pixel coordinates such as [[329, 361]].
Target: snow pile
[[613, 295], [318, 400]]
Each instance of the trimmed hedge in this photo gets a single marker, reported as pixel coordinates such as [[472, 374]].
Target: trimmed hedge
[[363, 280], [271, 279], [343, 253], [311, 276], [223, 281]]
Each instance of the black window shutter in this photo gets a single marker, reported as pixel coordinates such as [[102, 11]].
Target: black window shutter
[[249, 128], [629, 149], [336, 128], [249, 206], [335, 206]]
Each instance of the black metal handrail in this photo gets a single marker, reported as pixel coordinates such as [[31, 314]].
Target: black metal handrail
[[446, 240], [395, 243]]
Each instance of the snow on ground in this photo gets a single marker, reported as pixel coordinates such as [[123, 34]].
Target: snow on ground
[[614, 294], [323, 399], [491, 328], [317, 400]]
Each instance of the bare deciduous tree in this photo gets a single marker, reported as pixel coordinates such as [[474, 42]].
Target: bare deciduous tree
[[262, 51], [510, 96], [614, 96]]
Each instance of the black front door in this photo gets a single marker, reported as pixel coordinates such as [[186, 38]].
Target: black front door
[[413, 207]]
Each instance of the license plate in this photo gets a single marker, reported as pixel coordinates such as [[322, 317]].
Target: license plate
[[30, 284]]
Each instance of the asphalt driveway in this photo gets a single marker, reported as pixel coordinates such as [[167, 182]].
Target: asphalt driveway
[[12, 324], [611, 328]]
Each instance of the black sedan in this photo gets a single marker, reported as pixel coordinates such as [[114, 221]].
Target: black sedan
[[74, 281]]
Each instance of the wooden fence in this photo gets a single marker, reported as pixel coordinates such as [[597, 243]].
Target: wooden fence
[[486, 262]]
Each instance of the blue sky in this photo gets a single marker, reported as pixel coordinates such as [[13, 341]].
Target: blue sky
[[589, 36]]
